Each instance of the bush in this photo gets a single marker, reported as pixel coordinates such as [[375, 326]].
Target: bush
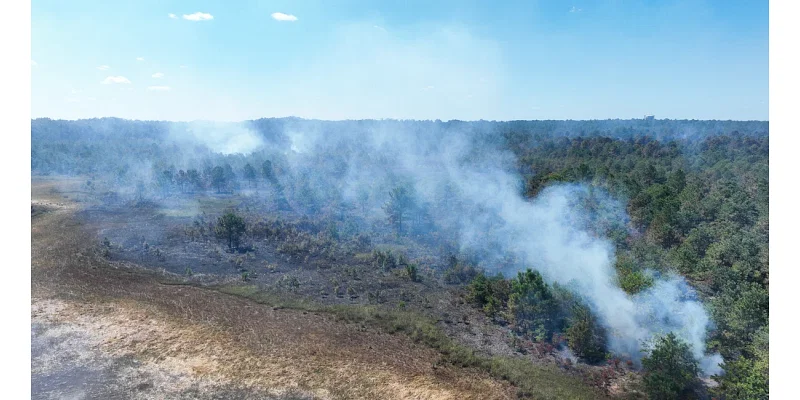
[[491, 294], [411, 270], [385, 259], [585, 336], [458, 273]]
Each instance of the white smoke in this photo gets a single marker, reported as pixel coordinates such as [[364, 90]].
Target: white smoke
[[220, 137], [548, 233]]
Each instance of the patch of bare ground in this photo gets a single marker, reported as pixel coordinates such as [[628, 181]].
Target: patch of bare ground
[[143, 339]]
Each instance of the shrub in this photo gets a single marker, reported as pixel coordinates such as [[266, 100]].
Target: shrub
[[411, 270], [385, 259], [585, 336], [458, 273], [491, 294], [289, 283]]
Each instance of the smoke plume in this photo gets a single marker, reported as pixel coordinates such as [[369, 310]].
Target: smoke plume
[[473, 191]]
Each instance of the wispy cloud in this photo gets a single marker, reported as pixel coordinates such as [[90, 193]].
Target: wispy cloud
[[198, 16], [115, 79], [158, 75], [34, 64], [379, 27], [575, 9], [278, 16], [139, 58], [158, 88], [429, 87], [103, 67], [183, 66], [173, 16]]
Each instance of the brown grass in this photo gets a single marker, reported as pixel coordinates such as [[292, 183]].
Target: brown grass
[[234, 337], [221, 340]]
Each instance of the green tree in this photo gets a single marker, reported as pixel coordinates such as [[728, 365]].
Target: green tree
[[250, 174], [532, 306], [230, 227], [230, 177], [670, 370], [747, 378], [165, 180], [194, 180], [218, 178], [268, 173], [181, 179], [400, 203]]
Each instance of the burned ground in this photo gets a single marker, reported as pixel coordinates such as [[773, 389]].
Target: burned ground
[[141, 327]]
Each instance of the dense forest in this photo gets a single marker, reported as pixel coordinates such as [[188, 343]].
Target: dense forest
[[672, 198]]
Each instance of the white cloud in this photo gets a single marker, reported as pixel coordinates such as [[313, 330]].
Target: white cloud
[[429, 87], [139, 58], [158, 88], [103, 67], [575, 9], [198, 16], [158, 75], [283, 17], [173, 16], [34, 64], [183, 66], [115, 79]]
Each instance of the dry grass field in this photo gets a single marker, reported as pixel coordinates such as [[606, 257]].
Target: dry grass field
[[103, 329]]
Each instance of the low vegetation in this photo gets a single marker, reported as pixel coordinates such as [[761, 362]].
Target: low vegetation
[[533, 381]]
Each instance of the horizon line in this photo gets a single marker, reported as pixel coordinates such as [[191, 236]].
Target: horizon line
[[398, 119]]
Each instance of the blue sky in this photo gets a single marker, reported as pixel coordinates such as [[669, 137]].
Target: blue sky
[[357, 59]]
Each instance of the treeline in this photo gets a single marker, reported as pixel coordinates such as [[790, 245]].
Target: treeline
[[100, 146]]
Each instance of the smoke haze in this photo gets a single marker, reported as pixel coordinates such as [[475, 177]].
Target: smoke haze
[[476, 194], [467, 192]]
